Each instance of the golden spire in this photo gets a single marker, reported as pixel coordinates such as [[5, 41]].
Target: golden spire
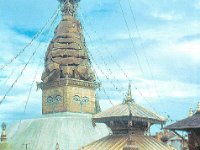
[[198, 107], [3, 134], [129, 95], [190, 112], [57, 146]]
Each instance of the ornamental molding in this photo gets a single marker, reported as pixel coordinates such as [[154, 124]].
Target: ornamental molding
[[66, 82]]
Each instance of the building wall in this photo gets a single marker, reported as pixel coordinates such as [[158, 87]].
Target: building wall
[[177, 144], [194, 142]]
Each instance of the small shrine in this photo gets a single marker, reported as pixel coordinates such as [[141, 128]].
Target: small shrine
[[192, 126], [130, 124]]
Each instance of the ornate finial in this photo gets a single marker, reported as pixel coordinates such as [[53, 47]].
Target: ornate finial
[[57, 146], [3, 134], [129, 95], [198, 107], [190, 112], [69, 7]]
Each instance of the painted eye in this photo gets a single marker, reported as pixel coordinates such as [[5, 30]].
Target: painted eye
[[76, 98], [85, 99], [58, 98], [50, 99]]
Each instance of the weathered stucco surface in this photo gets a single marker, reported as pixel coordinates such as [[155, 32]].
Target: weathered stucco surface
[[70, 130]]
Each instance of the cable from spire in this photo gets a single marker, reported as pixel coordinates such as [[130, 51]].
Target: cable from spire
[[119, 66], [27, 63], [9, 76], [140, 35], [130, 37], [148, 64], [106, 64], [29, 93], [103, 88], [34, 78], [36, 36], [91, 56]]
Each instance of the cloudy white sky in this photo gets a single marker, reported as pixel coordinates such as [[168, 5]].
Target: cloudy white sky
[[162, 60]]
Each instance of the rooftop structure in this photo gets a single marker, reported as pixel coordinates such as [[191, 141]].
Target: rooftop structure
[[187, 124], [129, 123], [192, 126]]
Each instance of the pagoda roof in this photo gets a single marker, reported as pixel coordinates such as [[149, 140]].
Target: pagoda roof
[[192, 122], [117, 142], [128, 111]]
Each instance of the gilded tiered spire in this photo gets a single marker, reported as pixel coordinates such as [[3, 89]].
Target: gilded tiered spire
[[3, 134], [190, 112], [68, 80], [67, 56], [69, 7], [198, 107], [129, 95], [57, 146]]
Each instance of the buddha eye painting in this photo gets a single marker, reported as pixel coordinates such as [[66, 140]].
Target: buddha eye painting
[[99, 75]]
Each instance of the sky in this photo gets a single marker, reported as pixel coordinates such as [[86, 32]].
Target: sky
[[154, 44]]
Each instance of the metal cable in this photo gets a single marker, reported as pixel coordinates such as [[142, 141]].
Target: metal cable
[[106, 65], [119, 66], [5, 82], [22, 71], [130, 37], [140, 35], [37, 35]]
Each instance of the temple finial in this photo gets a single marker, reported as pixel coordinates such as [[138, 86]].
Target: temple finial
[[57, 146], [3, 134], [190, 112], [129, 94], [69, 7], [198, 107]]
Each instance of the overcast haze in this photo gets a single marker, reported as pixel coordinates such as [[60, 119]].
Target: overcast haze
[[162, 60]]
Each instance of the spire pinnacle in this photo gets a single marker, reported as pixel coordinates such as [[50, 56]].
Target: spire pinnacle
[[198, 107], [3, 134], [190, 112], [57, 146], [69, 7], [129, 95]]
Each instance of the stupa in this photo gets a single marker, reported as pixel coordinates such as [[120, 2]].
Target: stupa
[[68, 93]]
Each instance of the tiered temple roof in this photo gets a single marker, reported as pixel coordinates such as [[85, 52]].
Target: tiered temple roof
[[129, 123], [67, 56]]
